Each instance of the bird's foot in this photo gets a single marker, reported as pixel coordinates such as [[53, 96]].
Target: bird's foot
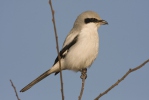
[[83, 73]]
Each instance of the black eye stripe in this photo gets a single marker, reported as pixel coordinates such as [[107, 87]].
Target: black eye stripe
[[89, 20]]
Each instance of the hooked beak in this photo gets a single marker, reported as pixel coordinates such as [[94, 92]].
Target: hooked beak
[[103, 22]]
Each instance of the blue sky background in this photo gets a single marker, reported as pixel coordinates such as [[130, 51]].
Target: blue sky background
[[28, 48]]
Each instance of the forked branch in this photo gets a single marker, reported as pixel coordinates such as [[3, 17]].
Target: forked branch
[[115, 84]]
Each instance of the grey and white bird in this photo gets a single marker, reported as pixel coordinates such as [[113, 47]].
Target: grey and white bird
[[80, 47]]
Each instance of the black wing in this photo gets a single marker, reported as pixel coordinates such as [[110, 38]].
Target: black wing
[[65, 49]]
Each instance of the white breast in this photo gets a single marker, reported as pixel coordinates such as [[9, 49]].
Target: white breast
[[84, 52]]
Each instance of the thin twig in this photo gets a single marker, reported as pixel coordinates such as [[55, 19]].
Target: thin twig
[[15, 90], [83, 77], [57, 47], [82, 89], [115, 84]]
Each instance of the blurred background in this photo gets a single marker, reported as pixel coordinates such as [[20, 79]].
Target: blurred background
[[28, 48]]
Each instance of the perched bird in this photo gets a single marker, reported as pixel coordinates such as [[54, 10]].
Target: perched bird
[[80, 47]]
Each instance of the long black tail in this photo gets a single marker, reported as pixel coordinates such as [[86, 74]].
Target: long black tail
[[44, 75]]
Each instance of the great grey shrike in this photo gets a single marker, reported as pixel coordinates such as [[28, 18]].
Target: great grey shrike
[[80, 47]]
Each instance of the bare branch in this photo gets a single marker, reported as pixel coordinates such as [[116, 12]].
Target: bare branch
[[115, 84], [83, 77], [57, 47], [15, 90]]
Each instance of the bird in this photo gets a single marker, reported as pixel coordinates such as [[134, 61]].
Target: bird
[[80, 47]]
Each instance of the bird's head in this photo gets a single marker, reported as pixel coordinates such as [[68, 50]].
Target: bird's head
[[89, 17]]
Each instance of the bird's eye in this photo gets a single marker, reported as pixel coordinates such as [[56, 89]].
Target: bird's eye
[[91, 20]]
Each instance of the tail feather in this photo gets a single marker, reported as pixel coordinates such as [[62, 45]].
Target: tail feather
[[42, 76]]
